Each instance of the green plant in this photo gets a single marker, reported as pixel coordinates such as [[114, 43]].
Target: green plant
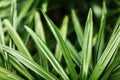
[[25, 53]]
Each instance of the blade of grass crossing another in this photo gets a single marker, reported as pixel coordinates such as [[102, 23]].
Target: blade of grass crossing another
[[16, 38], [30, 64], [87, 46], [2, 41], [42, 46], [40, 32], [63, 47], [63, 30], [107, 55], [74, 54], [9, 74]]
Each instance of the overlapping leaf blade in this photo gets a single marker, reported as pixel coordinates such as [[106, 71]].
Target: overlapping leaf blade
[[107, 55], [87, 46], [100, 42], [63, 46], [9, 75], [16, 38], [42, 46], [63, 30], [29, 63]]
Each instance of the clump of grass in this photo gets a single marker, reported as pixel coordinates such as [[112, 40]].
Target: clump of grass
[[25, 53]]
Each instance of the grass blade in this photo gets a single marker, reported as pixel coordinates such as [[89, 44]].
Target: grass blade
[[77, 27], [29, 63], [42, 46], [20, 68], [74, 54], [16, 38], [63, 30], [87, 46], [10, 75], [107, 55], [13, 14], [40, 32], [63, 47], [100, 42], [24, 10]]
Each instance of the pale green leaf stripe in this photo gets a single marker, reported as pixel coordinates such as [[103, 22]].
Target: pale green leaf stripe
[[63, 46], [63, 30], [40, 32], [16, 38], [4, 3], [20, 68], [114, 62], [30, 64], [77, 27], [87, 46], [42, 46], [44, 5], [24, 10], [39, 27], [107, 55], [4, 77], [100, 42], [13, 13], [74, 54], [1, 33], [9, 74]]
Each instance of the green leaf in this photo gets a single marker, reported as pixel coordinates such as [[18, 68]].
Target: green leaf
[[39, 27], [42, 46], [74, 54], [16, 38], [107, 55], [6, 74], [100, 42], [63, 30], [77, 27], [24, 10], [63, 47], [29, 63], [87, 46], [20, 68], [13, 13]]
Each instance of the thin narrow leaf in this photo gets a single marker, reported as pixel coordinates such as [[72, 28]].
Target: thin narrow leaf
[[44, 5], [30, 64], [39, 27], [115, 61], [77, 27], [9, 74], [16, 38], [63, 30], [13, 14], [87, 46], [4, 77], [20, 68], [40, 32], [42, 46], [63, 46], [24, 10], [107, 55], [100, 42], [74, 54], [2, 41]]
